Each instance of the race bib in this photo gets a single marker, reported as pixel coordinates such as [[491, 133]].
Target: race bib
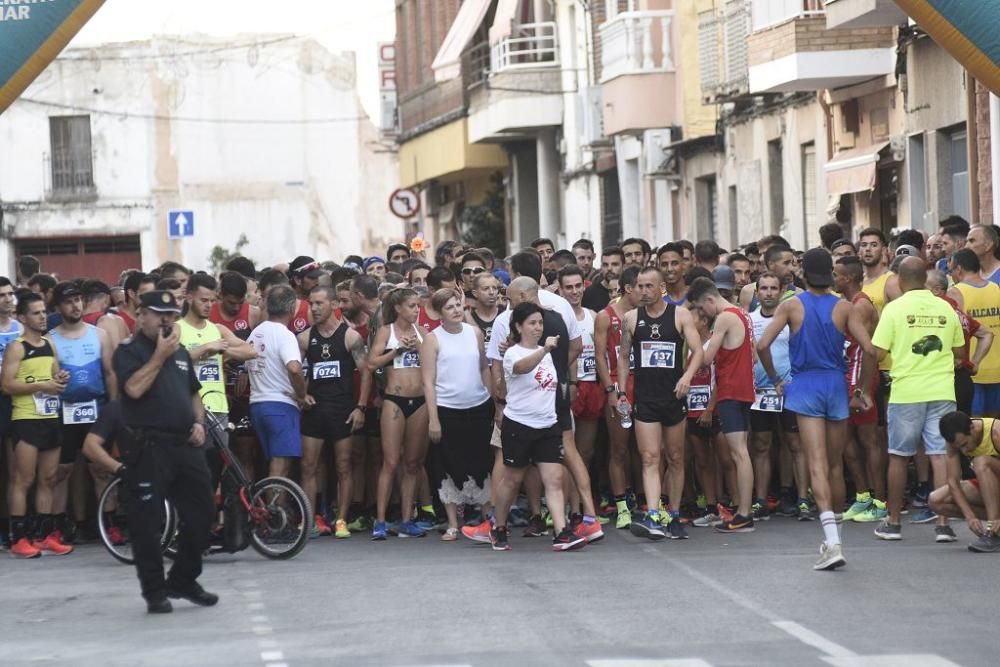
[[586, 367], [46, 405], [698, 398], [656, 354], [326, 370], [79, 413], [210, 371], [768, 400], [409, 359], [631, 357]]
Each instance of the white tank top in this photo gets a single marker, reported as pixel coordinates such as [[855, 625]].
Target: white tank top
[[586, 363], [459, 383], [410, 358]]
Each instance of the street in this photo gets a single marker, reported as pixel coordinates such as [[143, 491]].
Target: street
[[713, 600]]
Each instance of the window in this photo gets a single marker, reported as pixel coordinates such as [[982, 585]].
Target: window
[[71, 160], [809, 194], [612, 232], [706, 208], [734, 212], [959, 172], [917, 168]]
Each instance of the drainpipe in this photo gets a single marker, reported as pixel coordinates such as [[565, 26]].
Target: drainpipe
[[995, 154], [972, 146]]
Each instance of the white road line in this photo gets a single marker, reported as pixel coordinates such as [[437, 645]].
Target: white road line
[[262, 629], [817, 641], [271, 656], [628, 662], [255, 606], [260, 619], [891, 661]]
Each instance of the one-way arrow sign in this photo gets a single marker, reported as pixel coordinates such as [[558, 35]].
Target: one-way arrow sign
[[180, 224]]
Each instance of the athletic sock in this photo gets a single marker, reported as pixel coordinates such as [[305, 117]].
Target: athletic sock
[[588, 519], [830, 533], [427, 508], [18, 528]]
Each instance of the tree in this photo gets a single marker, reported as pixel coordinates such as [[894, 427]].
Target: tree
[[482, 225], [220, 256]]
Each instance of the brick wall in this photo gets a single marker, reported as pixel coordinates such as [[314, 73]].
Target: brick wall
[[984, 188], [810, 34]]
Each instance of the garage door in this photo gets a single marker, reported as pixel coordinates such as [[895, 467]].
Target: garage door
[[101, 257]]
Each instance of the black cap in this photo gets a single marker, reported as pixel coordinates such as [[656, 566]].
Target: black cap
[[65, 290], [160, 301], [817, 266], [92, 287]]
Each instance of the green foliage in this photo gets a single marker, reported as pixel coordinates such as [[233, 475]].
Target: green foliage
[[220, 256], [482, 225]]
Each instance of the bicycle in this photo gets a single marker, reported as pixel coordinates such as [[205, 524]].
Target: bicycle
[[272, 515]]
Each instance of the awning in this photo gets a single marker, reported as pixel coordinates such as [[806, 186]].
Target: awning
[[445, 153], [854, 170], [503, 20], [447, 63]]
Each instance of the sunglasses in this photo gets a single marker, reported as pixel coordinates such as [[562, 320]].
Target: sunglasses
[[473, 271]]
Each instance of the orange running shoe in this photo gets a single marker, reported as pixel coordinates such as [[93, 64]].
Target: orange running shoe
[[52, 545], [24, 549], [724, 513], [322, 525], [590, 531], [479, 533]]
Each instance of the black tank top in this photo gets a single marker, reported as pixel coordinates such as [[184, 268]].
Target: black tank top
[[658, 350], [484, 326], [331, 366]]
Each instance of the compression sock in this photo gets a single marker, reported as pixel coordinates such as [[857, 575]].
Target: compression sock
[[829, 521], [621, 504]]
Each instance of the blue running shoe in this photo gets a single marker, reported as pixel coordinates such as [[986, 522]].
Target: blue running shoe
[[410, 529], [925, 515], [378, 531], [650, 527]]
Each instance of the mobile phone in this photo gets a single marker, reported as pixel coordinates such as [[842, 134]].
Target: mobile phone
[[166, 330]]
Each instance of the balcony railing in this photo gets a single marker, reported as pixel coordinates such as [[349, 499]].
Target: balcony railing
[[477, 59], [771, 12], [636, 43], [530, 45]]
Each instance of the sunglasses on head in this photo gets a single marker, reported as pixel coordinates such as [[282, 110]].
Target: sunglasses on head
[[473, 271]]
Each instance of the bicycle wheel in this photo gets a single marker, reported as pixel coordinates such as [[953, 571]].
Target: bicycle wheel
[[112, 523], [280, 517]]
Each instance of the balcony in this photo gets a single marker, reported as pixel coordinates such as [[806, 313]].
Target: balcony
[[863, 14], [722, 52], [790, 49], [638, 75], [522, 91]]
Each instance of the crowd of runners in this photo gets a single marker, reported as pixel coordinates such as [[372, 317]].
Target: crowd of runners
[[559, 392]]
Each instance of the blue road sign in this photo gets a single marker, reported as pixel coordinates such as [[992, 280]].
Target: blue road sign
[[180, 224]]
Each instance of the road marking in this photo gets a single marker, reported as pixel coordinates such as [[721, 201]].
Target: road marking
[[262, 629], [271, 656], [817, 641], [626, 662], [924, 660], [267, 643], [259, 619], [255, 606]]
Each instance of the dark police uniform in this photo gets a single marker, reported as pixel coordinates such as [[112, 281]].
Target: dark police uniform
[[160, 462]]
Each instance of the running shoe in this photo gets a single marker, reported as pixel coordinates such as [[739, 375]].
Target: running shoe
[[24, 549], [889, 531], [536, 527], [725, 514], [831, 556], [314, 532], [320, 524], [677, 531], [498, 538], [379, 532], [919, 499], [875, 512], [410, 529], [480, 532], [944, 534], [624, 519], [360, 524], [700, 501], [116, 536], [862, 502], [426, 520], [738, 524], [567, 540], [340, 530], [648, 527], [985, 544], [760, 511], [805, 512], [925, 515], [707, 520], [589, 531], [51, 545], [547, 516], [787, 508], [518, 517]]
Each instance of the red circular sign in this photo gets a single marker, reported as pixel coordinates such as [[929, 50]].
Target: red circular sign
[[404, 203]]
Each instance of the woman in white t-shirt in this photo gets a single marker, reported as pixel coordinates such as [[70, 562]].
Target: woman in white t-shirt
[[404, 412], [459, 407], [530, 433]]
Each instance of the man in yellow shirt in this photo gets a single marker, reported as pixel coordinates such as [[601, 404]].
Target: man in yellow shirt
[[980, 299], [924, 336]]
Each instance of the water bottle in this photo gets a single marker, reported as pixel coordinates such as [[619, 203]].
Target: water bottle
[[625, 412]]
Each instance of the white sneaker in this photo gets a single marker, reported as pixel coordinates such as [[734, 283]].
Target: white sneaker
[[707, 521], [830, 557]]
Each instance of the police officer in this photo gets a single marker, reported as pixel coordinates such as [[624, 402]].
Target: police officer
[[163, 433]]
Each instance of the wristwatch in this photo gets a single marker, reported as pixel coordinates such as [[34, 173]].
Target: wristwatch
[[609, 389], [363, 408]]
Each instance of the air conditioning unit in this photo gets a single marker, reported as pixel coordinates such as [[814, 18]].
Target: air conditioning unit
[[654, 148], [589, 113]]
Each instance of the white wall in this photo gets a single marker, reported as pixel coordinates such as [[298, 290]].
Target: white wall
[[305, 185]]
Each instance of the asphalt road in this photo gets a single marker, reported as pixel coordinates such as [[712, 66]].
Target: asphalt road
[[712, 600]]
